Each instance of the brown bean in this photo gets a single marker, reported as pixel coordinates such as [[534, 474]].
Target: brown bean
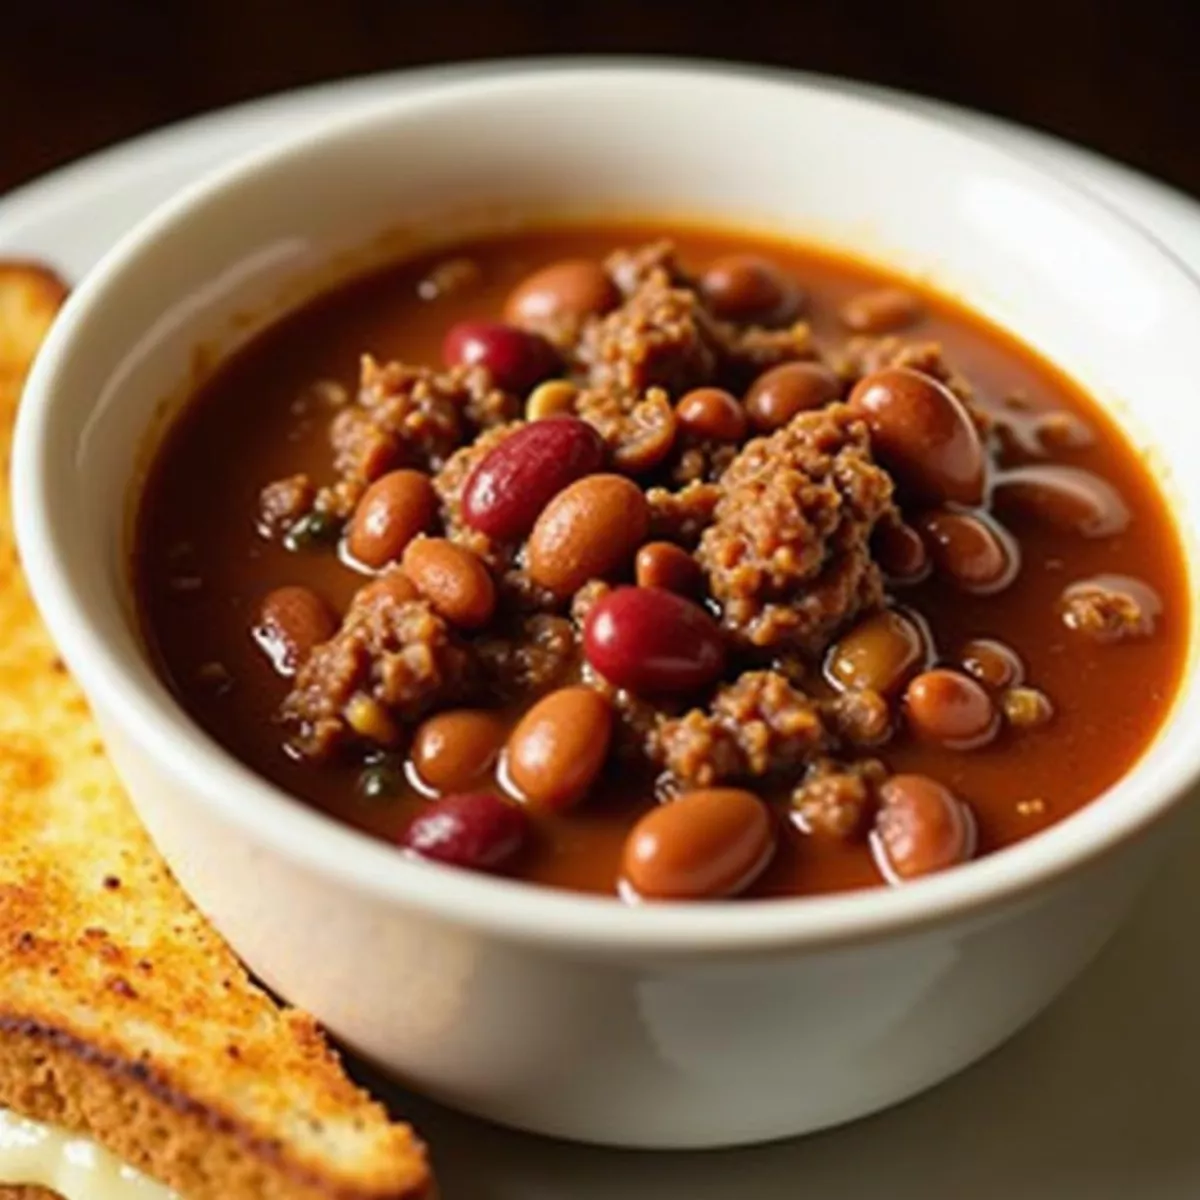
[[900, 551], [951, 708], [665, 565], [712, 413], [587, 531], [779, 394], [452, 579], [573, 288], [993, 663], [455, 749], [559, 746], [744, 287], [883, 310], [923, 434], [392, 511], [291, 621], [972, 551], [701, 846], [1066, 498], [878, 654], [920, 827]]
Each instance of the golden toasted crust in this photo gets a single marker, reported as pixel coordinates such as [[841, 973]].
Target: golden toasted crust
[[122, 1014]]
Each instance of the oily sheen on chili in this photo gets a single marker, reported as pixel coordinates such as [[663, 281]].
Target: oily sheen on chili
[[677, 564]]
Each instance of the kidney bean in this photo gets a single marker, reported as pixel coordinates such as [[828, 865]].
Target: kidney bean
[[587, 531], [920, 827], [973, 552], [507, 491], [455, 749], [878, 654], [779, 394], [559, 747], [744, 287], [701, 846], [291, 621], [476, 830], [573, 288], [665, 565], [951, 708], [922, 433], [452, 579], [1066, 498], [392, 511], [653, 642], [900, 551], [711, 413], [516, 358], [993, 663], [883, 310]]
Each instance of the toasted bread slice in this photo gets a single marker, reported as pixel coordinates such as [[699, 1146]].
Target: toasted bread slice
[[123, 1016]]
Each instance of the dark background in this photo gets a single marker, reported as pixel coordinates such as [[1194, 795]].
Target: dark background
[[1122, 77]]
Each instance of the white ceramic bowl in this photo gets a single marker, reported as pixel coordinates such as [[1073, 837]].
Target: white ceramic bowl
[[668, 1025]]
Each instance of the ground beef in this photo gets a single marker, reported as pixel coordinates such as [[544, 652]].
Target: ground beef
[[683, 515], [788, 556], [281, 503], [861, 717], [403, 656], [748, 350], [836, 799], [538, 654], [1111, 608], [630, 268], [757, 726], [662, 336], [638, 428]]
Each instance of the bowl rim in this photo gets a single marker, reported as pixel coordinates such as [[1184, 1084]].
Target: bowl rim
[[505, 908]]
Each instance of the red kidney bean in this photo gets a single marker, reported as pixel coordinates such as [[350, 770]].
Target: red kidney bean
[[973, 551], [1066, 498], [516, 358], [777, 395], [653, 642], [574, 288], [951, 708], [701, 846], [920, 827], [922, 433], [291, 621], [744, 287], [507, 491], [476, 830]]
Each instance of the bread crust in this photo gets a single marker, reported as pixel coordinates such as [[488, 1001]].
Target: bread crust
[[123, 1016]]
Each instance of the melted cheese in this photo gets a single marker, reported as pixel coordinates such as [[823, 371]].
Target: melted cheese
[[74, 1166]]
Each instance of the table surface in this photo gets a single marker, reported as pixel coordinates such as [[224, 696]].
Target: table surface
[[76, 75]]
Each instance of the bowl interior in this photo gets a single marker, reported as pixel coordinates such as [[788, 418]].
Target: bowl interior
[[1056, 267]]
